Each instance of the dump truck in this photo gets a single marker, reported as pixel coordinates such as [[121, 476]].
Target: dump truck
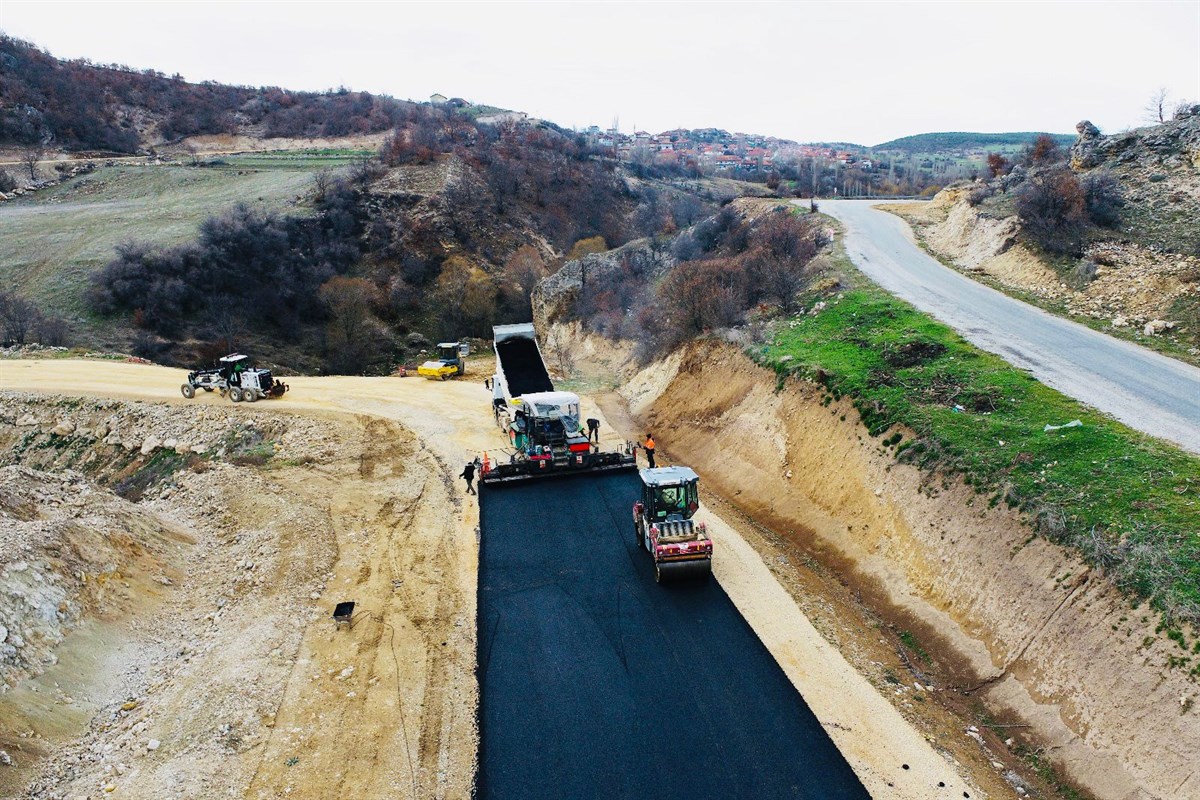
[[520, 368], [663, 524], [449, 363], [542, 424]]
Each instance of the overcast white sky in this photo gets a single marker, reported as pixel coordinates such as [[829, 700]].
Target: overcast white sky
[[849, 71]]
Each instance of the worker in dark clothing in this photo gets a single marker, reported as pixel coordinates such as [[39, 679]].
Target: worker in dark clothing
[[648, 446], [468, 475], [593, 430]]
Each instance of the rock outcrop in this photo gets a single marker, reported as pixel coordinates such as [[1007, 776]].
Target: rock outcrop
[[1142, 273], [1083, 152], [554, 298]]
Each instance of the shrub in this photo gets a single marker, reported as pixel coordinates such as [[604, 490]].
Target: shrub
[[262, 267], [1042, 151], [1053, 211], [7, 182], [583, 247], [979, 194], [1103, 199], [997, 165], [1083, 273], [727, 266], [353, 333]]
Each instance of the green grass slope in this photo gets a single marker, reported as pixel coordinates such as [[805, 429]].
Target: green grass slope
[[54, 239], [1129, 503]]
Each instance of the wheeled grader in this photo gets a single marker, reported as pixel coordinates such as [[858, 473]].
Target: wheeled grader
[[236, 378]]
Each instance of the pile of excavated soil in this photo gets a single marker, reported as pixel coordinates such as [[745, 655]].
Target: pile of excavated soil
[[1025, 626]]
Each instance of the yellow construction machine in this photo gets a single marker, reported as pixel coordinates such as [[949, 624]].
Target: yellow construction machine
[[450, 362]]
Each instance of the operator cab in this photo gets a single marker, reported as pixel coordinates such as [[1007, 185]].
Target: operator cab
[[451, 352], [233, 363], [670, 493]]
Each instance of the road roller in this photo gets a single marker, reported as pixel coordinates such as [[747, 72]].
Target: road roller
[[663, 524]]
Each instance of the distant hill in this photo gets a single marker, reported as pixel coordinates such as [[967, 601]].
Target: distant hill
[[839, 145], [958, 140], [81, 106]]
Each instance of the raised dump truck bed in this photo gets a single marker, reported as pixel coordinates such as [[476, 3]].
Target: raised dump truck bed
[[519, 365]]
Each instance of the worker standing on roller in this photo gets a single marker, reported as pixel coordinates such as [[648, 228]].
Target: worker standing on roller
[[648, 446]]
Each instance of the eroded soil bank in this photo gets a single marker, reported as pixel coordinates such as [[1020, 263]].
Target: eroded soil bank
[[1016, 623]]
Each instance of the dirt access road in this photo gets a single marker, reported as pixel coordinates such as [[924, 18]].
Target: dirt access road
[[408, 542], [1147, 391]]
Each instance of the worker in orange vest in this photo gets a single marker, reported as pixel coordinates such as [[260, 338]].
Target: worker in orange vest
[[648, 446]]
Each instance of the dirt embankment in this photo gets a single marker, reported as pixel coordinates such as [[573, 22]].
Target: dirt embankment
[[1123, 284], [182, 646], [975, 243], [1020, 624]]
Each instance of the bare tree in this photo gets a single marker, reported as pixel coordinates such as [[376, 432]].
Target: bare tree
[[18, 317], [525, 268], [1156, 108], [352, 337], [365, 169], [53, 331], [229, 327], [193, 152], [322, 183], [30, 157]]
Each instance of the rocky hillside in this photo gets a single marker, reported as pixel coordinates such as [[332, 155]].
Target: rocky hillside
[[749, 262], [1159, 171], [1123, 251]]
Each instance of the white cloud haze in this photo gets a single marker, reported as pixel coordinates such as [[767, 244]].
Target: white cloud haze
[[864, 72]]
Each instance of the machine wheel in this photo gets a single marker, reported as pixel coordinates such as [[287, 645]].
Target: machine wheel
[[188, 391], [235, 395], [444, 377], [250, 396], [658, 574]]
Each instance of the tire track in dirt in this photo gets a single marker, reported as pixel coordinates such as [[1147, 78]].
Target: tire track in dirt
[[431, 622], [381, 701]]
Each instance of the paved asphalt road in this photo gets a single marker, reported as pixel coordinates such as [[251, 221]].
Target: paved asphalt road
[[1143, 389], [598, 683]]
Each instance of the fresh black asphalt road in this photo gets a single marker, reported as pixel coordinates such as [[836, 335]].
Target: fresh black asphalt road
[[1147, 391], [597, 682]]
